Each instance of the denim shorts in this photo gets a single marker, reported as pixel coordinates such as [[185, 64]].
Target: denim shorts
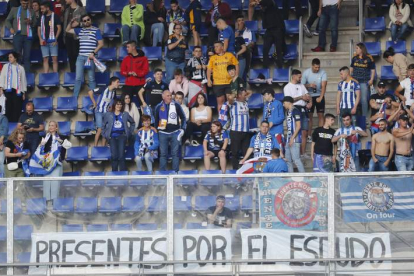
[[98, 119], [49, 51]]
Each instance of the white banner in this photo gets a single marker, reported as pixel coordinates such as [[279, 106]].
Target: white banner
[[282, 244], [202, 245]]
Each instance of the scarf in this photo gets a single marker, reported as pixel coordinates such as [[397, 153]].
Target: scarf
[[25, 162], [148, 111], [223, 117], [197, 74], [19, 23], [412, 88], [147, 140], [262, 147], [51, 37], [268, 110], [215, 15], [9, 79], [101, 67], [167, 115], [346, 161], [43, 163]]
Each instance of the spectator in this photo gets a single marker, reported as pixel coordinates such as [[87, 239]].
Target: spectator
[[175, 57], [167, 118], [252, 6], [349, 94], [36, 11], [90, 41], [105, 100], [154, 18], [241, 49], [399, 63], [215, 146], [33, 124], [4, 131], [276, 164], [363, 70], [315, 80], [249, 39], [117, 127], [193, 18], [48, 37], [323, 151], [17, 152], [224, 112], [219, 216], [179, 98], [402, 136], [176, 16], [274, 114], [386, 109], [226, 35], [376, 99], [146, 144], [132, 20], [218, 10], [134, 68], [72, 17], [14, 84], [399, 19], [382, 148], [196, 72], [329, 15], [132, 110], [153, 90], [286, 8], [179, 83], [20, 22], [393, 119], [294, 136], [237, 82], [217, 71], [312, 18], [406, 85], [201, 115], [57, 8]]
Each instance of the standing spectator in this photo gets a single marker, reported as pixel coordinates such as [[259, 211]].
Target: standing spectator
[[252, 6], [286, 8], [20, 22], [329, 15], [153, 90], [226, 35], [315, 80], [179, 83], [132, 20], [218, 10], [4, 131], [175, 57], [384, 112], [363, 70], [16, 150], [294, 136], [217, 76], [323, 151], [276, 164], [201, 115], [146, 144], [275, 32], [382, 148], [219, 216], [312, 18], [48, 36], [36, 11], [170, 121], [154, 19], [241, 49], [274, 114], [215, 146], [405, 85], [117, 127], [237, 82], [196, 72], [376, 100], [402, 135], [176, 16], [399, 19], [101, 106], [132, 110], [249, 39], [399, 63], [349, 94], [193, 18], [14, 84], [72, 16], [90, 42], [179, 98], [134, 68], [33, 124]]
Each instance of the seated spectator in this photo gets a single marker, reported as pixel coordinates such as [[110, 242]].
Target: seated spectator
[[117, 127], [176, 16], [17, 153], [218, 10], [226, 35], [276, 164], [179, 83], [385, 110], [349, 94], [200, 120], [382, 148], [405, 85], [146, 144], [4, 131], [193, 19], [219, 216], [154, 19], [399, 19], [399, 63], [179, 98], [249, 39], [132, 20], [132, 109], [153, 90], [215, 146], [323, 151], [33, 124], [175, 57]]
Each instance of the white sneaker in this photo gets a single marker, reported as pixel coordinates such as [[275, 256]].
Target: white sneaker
[[309, 140], [315, 33], [307, 31], [187, 142]]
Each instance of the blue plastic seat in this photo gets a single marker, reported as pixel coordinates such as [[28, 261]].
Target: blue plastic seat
[[110, 205], [12, 126], [203, 31], [187, 181], [235, 5], [36, 56], [280, 75], [94, 7], [36, 206], [146, 226], [23, 232], [75, 154], [86, 205], [244, 225], [72, 228], [116, 6], [30, 78], [202, 203], [161, 181], [233, 203], [291, 52], [62, 56], [247, 203], [176, 226], [205, 5], [374, 24], [279, 96], [254, 74], [193, 153], [84, 128], [399, 46], [44, 104], [107, 54], [195, 225], [253, 26], [102, 78], [47, 80], [253, 124], [97, 227], [69, 80], [133, 204], [412, 47], [255, 101], [212, 101], [141, 182], [152, 53], [182, 203], [5, 52], [17, 206], [87, 105], [7, 36], [69, 184], [3, 233], [121, 227], [122, 53], [23, 257], [279, 3], [66, 104], [373, 48], [121, 78], [387, 73], [129, 152], [100, 154], [204, 181], [63, 205], [117, 182], [292, 27], [3, 255], [157, 204], [112, 30], [3, 8], [361, 122], [93, 183], [64, 128]]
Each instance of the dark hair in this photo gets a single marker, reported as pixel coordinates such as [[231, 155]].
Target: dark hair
[[276, 152], [30, 103], [113, 79], [123, 100], [179, 93], [46, 4], [265, 122], [174, 2], [389, 53], [329, 115], [156, 4], [346, 114], [344, 68], [85, 15], [403, 4], [316, 61], [296, 72], [204, 97], [36, 1], [157, 70], [118, 101], [240, 91], [288, 99], [268, 90], [218, 42], [363, 49], [145, 118], [218, 124], [410, 67], [239, 16], [178, 72], [15, 55], [132, 42], [197, 47], [383, 120], [220, 197], [231, 67]]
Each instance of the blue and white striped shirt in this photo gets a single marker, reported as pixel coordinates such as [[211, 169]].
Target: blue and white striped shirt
[[349, 90], [292, 117], [239, 114], [104, 100], [88, 39]]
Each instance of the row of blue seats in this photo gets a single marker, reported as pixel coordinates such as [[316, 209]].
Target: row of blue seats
[[23, 257], [374, 48]]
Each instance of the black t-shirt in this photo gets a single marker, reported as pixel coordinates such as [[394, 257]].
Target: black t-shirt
[[34, 120], [222, 217], [13, 149], [238, 43], [379, 99], [153, 92], [322, 138], [236, 85], [47, 24]]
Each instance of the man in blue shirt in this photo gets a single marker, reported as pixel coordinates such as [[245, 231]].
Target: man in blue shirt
[[276, 164], [274, 114], [226, 35]]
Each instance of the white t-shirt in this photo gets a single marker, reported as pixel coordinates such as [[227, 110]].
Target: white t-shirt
[[294, 91], [329, 2], [408, 91]]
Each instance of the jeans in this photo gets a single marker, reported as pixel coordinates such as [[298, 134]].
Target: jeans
[[51, 188], [365, 94], [292, 155], [72, 47], [397, 32], [22, 44], [165, 141], [314, 14], [170, 67], [242, 67], [80, 69], [379, 166], [403, 163], [330, 15], [147, 158], [157, 31], [2, 161], [131, 33], [117, 145]]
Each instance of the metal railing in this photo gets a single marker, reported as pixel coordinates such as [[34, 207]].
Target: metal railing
[[351, 50], [300, 42], [361, 20]]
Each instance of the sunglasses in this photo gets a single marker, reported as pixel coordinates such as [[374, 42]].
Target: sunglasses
[[87, 20]]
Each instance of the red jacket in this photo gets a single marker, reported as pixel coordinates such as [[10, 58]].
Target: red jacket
[[225, 12], [139, 65]]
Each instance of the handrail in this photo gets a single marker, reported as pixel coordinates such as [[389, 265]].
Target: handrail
[[351, 50], [361, 20], [300, 42]]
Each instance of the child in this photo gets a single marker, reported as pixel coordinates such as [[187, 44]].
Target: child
[[146, 144]]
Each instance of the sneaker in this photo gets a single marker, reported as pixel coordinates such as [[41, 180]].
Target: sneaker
[[307, 31], [318, 49], [333, 49], [187, 142], [309, 140], [315, 33], [194, 143]]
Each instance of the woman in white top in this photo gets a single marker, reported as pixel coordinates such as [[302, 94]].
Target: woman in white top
[[132, 110], [200, 120], [14, 84], [399, 19]]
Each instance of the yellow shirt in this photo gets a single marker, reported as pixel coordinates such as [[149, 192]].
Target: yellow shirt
[[218, 65]]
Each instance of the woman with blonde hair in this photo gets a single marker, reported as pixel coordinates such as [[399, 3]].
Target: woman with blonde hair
[[17, 152]]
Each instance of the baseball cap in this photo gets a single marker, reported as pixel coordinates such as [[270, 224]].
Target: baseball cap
[[381, 84]]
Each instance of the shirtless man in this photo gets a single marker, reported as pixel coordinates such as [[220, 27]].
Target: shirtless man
[[384, 111], [382, 148], [403, 135]]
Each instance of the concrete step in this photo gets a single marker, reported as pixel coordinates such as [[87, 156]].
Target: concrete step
[[344, 35]]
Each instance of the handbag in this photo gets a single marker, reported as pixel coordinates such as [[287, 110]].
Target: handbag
[[12, 166]]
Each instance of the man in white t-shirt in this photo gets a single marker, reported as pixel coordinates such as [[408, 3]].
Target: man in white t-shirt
[[408, 86], [302, 101]]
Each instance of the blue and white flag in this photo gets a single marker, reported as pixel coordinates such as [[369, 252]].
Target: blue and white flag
[[377, 199], [43, 163]]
